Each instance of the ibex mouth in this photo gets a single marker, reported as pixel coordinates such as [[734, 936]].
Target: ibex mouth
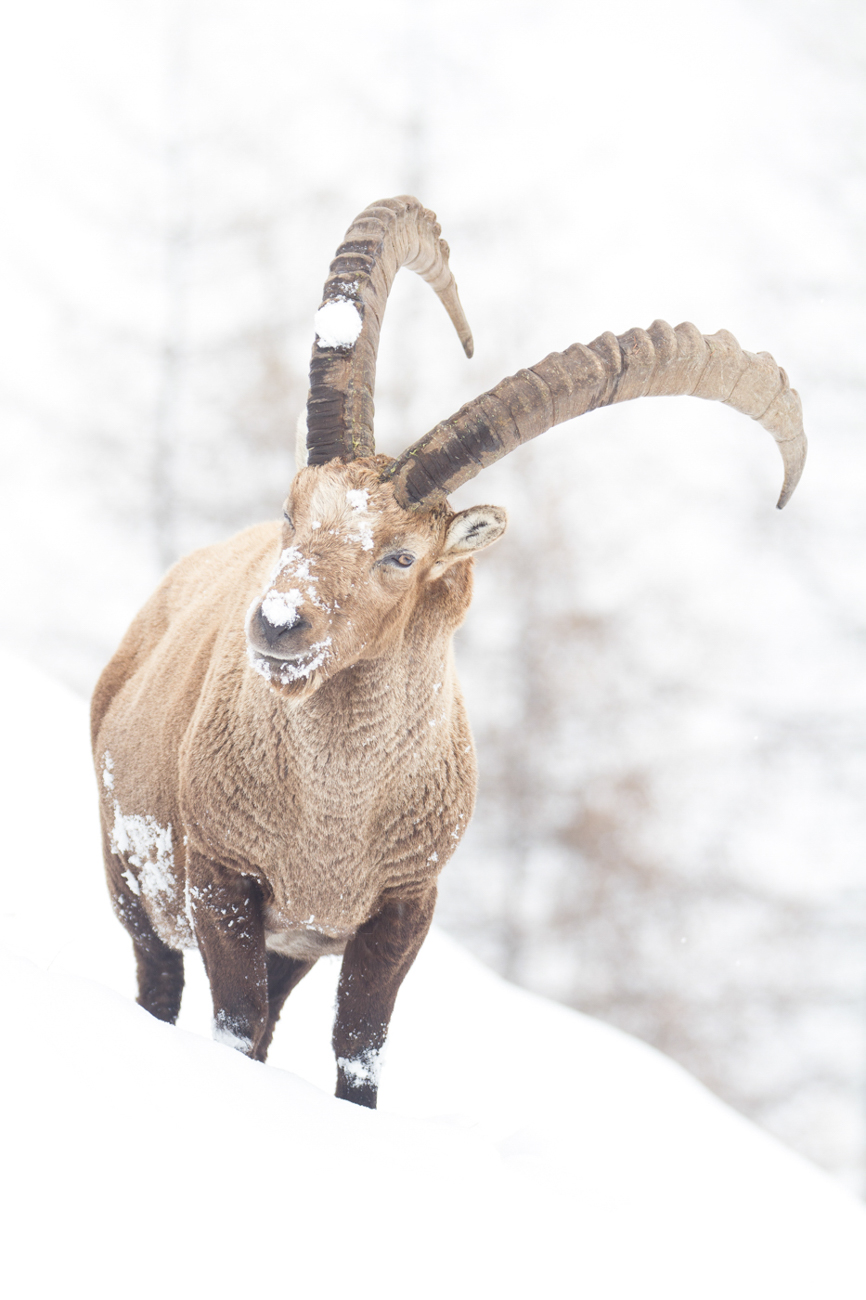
[[284, 669], [279, 656], [275, 645]]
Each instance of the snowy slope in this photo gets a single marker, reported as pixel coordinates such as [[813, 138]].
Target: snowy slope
[[519, 1145]]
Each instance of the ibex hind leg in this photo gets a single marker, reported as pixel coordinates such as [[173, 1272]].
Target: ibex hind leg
[[160, 968], [283, 974]]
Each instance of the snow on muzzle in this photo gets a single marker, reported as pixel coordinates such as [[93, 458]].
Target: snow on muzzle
[[281, 638]]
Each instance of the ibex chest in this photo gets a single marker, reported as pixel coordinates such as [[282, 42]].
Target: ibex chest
[[329, 817]]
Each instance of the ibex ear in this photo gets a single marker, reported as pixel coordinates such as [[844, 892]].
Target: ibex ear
[[474, 529], [468, 532]]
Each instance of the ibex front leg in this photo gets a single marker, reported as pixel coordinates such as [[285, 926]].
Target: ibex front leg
[[227, 916], [374, 966]]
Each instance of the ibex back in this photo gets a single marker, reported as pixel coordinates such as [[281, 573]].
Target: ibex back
[[284, 757]]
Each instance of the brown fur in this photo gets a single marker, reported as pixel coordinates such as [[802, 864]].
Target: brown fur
[[270, 821]]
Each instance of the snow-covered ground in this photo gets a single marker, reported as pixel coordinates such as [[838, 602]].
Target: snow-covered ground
[[520, 1148]]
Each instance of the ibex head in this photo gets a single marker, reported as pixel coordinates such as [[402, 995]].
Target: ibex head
[[353, 568], [366, 537]]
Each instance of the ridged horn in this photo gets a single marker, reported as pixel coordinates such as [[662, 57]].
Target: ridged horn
[[387, 235], [657, 362]]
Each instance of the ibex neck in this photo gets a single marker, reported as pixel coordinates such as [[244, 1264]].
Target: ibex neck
[[385, 696]]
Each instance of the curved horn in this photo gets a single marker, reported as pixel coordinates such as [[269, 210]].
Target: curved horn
[[657, 362], [387, 235]]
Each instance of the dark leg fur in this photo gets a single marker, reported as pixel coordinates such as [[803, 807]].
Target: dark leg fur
[[283, 974], [227, 914], [160, 979], [374, 966]]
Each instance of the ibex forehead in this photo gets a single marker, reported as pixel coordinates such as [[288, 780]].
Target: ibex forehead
[[352, 499]]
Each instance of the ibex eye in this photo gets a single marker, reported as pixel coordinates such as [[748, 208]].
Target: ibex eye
[[404, 559]]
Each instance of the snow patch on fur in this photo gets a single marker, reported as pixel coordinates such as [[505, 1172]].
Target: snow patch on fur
[[224, 1031], [359, 500], [147, 846], [360, 1071]]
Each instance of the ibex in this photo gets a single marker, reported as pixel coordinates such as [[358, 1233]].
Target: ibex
[[284, 757]]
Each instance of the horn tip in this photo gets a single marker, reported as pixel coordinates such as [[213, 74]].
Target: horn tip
[[468, 345], [794, 458]]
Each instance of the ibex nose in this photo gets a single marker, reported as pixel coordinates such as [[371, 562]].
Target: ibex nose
[[279, 634]]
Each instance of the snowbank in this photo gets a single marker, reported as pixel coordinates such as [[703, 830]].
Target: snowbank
[[519, 1145]]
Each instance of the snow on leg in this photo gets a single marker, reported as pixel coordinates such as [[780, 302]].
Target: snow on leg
[[160, 968], [375, 964], [226, 913]]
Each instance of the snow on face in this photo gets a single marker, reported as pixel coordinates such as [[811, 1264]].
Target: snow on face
[[342, 508], [108, 771], [338, 324], [280, 608], [359, 500], [290, 670], [298, 568]]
